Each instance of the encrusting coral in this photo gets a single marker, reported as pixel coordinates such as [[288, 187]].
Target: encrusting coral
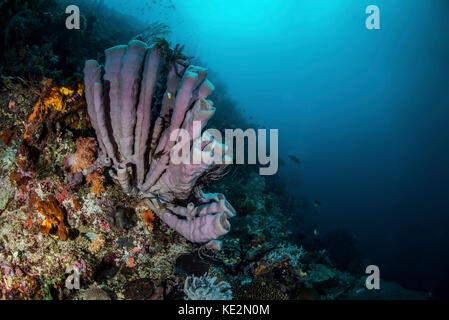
[[146, 94], [260, 289], [96, 180], [53, 99], [148, 217], [84, 157], [97, 244], [54, 221]]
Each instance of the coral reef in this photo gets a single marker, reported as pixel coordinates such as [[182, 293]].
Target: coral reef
[[116, 240], [97, 244], [54, 218], [260, 289], [140, 289], [96, 179], [84, 157], [33, 43], [96, 294], [59, 207], [148, 216], [206, 288], [191, 264], [138, 145]]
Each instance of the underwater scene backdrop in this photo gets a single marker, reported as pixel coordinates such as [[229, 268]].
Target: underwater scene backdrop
[[92, 205]]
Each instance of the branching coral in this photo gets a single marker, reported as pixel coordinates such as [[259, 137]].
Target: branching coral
[[205, 288], [145, 96]]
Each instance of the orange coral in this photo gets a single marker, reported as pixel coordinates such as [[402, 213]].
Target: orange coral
[[131, 262], [148, 217], [96, 179], [40, 110], [84, 157], [76, 204], [54, 222], [56, 97], [260, 270]]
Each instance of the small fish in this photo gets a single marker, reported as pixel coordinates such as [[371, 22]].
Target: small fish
[[169, 94], [228, 262], [294, 159], [158, 155], [316, 204], [162, 206], [316, 232]]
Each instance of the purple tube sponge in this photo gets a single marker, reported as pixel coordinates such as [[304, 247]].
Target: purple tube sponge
[[145, 95]]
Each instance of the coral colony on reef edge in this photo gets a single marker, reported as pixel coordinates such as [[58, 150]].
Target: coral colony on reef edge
[[102, 196], [146, 94]]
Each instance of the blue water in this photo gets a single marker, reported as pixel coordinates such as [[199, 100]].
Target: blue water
[[366, 111]]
